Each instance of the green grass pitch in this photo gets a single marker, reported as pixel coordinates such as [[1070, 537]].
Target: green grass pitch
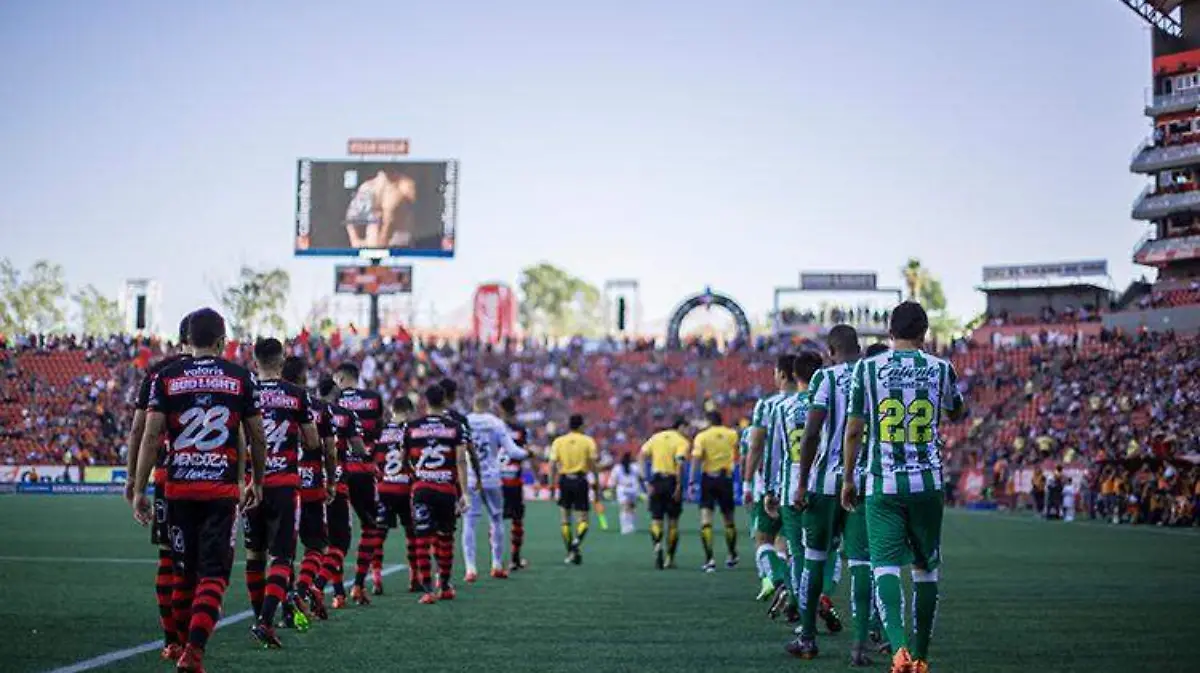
[[1018, 595]]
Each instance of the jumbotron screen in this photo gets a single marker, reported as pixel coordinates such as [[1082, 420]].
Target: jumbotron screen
[[376, 208], [363, 279]]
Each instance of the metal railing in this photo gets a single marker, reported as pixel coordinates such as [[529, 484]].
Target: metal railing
[[1150, 206], [1150, 158], [1162, 103]]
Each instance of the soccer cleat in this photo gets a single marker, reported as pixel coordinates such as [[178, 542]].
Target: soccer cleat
[[377, 582], [710, 566], [447, 594], [471, 576], [172, 652], [670, 563], [779, 602], [287, 615], [858, 655], [731, 562], [920, 666], [766, 589], [499, 574], [339, 602], [803, 647], [359, 596], [301, 617], [902, 662], [427, 599], [316, 604], [191, 660], [265, 635], [792, 614], [828, 613]]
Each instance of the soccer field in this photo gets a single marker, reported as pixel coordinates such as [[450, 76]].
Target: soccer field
[[1018, 595]]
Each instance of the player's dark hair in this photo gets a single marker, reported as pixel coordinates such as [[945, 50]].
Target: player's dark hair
[[876, 348], [402, 405], [349, 369], [435, 396], [843, 340], [909, 321], [714, 417], [206, 327], [325, 386], [295, 370], [575, 422], [508, 405], [784, 364], [805, 365], [268, 351], [680, 422], [449, 388], [183, 329]]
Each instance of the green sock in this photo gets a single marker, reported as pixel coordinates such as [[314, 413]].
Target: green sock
[[810, 592], [860, 599], [779, 568], [833, 575], [891, 606], [925, 598]]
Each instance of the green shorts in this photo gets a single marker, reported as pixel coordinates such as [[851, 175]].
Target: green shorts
[[824, 521], [903, 527], [793, 529], [761, 523], [855, 545]]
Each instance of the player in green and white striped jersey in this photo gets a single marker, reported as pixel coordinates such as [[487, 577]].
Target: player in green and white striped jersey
[[901, 398], [820, 473], [762, 463]]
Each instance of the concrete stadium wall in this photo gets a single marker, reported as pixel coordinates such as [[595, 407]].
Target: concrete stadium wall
[[1181, 319]]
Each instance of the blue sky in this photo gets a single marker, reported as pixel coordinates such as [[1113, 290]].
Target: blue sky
[[684, 144]]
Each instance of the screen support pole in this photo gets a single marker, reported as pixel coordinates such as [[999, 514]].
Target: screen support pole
[[373, 328]]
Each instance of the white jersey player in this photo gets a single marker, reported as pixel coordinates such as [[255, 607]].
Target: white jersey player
[[626, 482], [492, 441]]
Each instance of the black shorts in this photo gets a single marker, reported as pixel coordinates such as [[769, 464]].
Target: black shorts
[[159, 534], [364, 498], [202, 534], [272, 526], [337, 514], [514, 502], [314, 529], [716, 492], [395, 511], [433, 512], [663, 504], [573, 492]]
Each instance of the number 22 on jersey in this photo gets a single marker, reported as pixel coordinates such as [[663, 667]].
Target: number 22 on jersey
[[899, 424]]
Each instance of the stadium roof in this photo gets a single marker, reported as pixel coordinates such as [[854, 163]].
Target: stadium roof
[[1157, 13]]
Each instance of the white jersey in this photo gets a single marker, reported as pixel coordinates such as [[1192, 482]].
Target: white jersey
[[491, 438], [623, 481]]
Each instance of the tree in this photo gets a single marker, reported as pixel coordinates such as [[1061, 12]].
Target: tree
[[926, 288], [255, 301], [556, 303], [30, 303], [98, 315]]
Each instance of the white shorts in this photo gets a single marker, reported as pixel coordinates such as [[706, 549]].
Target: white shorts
[[627, 497]]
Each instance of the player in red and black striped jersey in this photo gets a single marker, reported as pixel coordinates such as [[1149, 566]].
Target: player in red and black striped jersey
[[272, 526], [359, 471], [435, 450], [395, 486], [174, 636], [318, 483], [348, 444], [204, 404], [512, 483]]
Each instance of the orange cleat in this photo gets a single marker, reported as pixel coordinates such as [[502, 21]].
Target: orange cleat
[[359, 596], [339, 602], [172, 652], [499, 574], [316, 603], [448, 594], [902, 662], [427, 599], [470, 577], [191, 661]]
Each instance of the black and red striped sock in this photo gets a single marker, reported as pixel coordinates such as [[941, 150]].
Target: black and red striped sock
[[380, 540], [331, 571], [309, 567], [518, 538], [422, 563], [256, 582], [181, 605], [164, 586], [444, 548], [366, 551], [277, 584], [206, 610], [410, 543]]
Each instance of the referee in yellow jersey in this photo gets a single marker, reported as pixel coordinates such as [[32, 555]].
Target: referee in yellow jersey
[[573, 457], [714, 452], [664, 454]]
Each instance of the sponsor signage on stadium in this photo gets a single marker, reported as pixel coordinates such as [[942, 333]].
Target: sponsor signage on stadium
[[493, 313], [365, 279], [70, 489], [837, 281], [1092, 267], [376, 209], [1164, 250], [378, 146]]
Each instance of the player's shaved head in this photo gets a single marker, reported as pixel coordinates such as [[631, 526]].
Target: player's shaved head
[[206, 329], [449, 389], [714, 417], [843, 341], [575, 422], [435, 396], [509, 406], [402, 406], [326, 387], [876, 348], [268, 353], [909, 322], [295, 370]]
